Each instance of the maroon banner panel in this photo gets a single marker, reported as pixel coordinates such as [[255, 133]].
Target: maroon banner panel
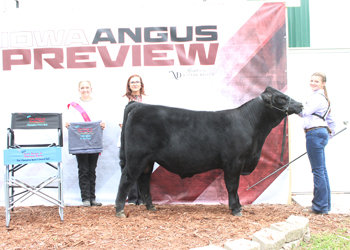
[[254, 58]]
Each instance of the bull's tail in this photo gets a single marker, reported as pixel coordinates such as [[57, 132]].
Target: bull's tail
[[128, 108]]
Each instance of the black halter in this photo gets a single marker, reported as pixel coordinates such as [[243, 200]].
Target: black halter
[[284, 110]]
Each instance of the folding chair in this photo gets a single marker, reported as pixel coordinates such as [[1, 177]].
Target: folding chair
[[17, 157]]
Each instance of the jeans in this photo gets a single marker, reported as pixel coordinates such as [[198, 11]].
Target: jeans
[[134, 195], [316, 140], [87, 164]]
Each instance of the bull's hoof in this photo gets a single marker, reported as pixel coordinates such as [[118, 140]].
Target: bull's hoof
[[120, 214], [240, 208], [239, 214], [151, 208]]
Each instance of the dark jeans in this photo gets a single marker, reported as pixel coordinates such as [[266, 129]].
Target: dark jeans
[[134, 195], [87, 164], [316, 140]]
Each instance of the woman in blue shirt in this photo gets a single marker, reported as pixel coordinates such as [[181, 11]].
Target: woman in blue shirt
[[318, 124]]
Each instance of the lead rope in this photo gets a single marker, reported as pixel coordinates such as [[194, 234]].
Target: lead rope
[[285, 122], [284, 137], [284, 131]]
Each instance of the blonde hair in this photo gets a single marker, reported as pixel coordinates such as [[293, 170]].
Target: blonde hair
[[324, 79], [82, 82]]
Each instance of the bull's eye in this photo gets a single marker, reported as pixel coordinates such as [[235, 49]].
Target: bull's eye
[[281, 99]]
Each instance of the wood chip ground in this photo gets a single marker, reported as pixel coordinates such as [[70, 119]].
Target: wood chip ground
[[170, 227]]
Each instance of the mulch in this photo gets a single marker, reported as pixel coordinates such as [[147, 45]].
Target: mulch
[[170, 227]]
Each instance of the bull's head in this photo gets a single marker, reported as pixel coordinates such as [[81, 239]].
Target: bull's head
[[277, 100]]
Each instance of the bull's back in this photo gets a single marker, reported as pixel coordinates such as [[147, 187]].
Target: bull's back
[[182, 141]]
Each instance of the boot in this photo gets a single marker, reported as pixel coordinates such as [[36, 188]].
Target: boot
[[95, 203], [86, 203]]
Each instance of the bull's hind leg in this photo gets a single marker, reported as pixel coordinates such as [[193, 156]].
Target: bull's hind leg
[[144, 185], [125, 185]]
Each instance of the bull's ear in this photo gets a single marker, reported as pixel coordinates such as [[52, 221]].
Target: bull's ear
[[266, 97]]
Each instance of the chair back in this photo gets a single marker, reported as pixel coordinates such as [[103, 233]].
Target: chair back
[[36, 121]]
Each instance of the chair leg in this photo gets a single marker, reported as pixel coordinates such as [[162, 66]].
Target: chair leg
[[7, 198], [60, 190], [10, 183]]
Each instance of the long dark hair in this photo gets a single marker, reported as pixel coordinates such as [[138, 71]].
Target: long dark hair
[[128, 93]]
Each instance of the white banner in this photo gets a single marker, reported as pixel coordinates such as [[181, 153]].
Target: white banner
[[200, 56]]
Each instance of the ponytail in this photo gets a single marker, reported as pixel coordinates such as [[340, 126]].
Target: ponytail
[[326, 94], [324, 79]]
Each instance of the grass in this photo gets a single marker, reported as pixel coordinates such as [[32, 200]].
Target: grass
[[324, 241]]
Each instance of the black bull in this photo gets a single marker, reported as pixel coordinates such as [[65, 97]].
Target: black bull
[[189, 142]]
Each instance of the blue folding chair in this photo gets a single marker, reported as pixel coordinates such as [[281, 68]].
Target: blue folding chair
[[16, 157]]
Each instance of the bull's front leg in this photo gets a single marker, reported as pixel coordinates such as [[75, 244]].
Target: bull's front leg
[[232, 184], [125, 185]]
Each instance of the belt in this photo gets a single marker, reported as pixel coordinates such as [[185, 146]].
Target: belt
[[309, 129]]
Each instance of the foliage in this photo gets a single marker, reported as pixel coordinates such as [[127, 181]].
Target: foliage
[[324, 241]]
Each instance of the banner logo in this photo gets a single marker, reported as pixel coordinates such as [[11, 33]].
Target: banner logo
[[176, 75], [37, 121], [147, 46], [85, 133]]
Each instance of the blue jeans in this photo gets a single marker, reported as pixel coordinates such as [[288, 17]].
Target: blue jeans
[[316, 140]]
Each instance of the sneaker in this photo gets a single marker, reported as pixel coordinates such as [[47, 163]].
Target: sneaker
[[95, 203], [86, 203]]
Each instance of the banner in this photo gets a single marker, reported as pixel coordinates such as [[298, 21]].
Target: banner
[[85, 138], [32, 155], [198, 56], [253, 58], [36, 121]]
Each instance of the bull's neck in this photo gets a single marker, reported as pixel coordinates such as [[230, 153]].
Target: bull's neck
[[263, 118]]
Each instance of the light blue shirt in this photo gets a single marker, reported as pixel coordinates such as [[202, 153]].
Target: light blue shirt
[[318, 104]]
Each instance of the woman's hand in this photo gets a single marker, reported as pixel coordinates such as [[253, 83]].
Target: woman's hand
[[103, 125], [67, 125]]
